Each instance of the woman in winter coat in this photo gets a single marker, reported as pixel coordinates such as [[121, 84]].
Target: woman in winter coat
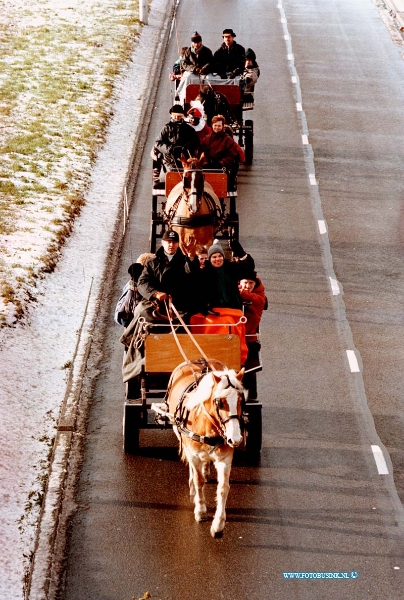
[[219, 279]]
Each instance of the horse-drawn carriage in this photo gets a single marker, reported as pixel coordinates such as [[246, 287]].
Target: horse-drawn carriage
[[215, 340], [193, 378], [194, 383]]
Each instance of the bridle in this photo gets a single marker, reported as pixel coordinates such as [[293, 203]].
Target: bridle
[[218, 401], [182, 413], [189, 192]]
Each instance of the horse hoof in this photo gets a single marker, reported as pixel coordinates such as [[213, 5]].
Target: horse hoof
[[216, 534], [201, 517]]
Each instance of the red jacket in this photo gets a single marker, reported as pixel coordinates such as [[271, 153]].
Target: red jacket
[[220, 147], [253, 311]]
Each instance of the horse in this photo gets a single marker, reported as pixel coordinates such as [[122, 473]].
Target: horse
[[207, 400], [193, 209], [214, 103]]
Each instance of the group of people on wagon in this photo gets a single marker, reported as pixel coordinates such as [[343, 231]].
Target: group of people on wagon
[[229, 61], [220, 150], [190, 134], [201, 284]]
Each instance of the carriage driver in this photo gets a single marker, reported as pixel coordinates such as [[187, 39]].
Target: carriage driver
[[175, 138], [170, 274]]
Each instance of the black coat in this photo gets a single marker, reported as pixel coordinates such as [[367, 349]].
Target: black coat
[[202, 60], [176, 137], [229, 60], [209, 282], [173, 277]]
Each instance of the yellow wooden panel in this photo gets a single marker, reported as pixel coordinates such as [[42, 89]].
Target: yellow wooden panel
[[162, 354]]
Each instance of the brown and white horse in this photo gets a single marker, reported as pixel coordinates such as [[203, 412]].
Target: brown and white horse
[[208, 409], [193, 209]]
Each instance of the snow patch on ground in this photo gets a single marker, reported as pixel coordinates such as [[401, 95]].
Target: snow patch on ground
[[32, 377]]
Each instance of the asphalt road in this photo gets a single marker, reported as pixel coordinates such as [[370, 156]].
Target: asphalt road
[[316, 501]]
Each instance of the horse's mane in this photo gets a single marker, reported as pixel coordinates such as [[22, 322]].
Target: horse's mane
[[204, 390]]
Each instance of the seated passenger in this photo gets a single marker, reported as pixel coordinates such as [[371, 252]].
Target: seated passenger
[[176, 137], [196, 120], [197, 62], [202, 254], [168, 275], [252, 293], [197, 58], [177, 71], [221, 151], [130, 297], [251, 71], [229, 59], [219, 279]]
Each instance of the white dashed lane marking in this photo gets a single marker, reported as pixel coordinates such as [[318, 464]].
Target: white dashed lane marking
[[294, 79], [380, 461], [290, 56], [299, 107], [312, 178], [305, 140], [334, 286], [322, 227], [353, 361], [286, 37]]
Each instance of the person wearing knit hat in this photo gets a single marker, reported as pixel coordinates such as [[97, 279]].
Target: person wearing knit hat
[[228, 60], [197, 58], [130, 296], [196, 62], [219, 279], [215, 249], [251, 72]]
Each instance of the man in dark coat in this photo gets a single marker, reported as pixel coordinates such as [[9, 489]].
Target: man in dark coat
[[229, 59], [175, 138], [197, 58], [169, 274]]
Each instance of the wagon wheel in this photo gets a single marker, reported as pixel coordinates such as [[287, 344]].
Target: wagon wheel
[[130, 429], [254, 431], [249, 142]]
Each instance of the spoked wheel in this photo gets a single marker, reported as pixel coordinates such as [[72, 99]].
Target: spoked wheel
[[249, 142], [130, 429]]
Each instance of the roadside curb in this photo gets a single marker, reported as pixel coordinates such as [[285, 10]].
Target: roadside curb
[[396, 8], [39, 584]]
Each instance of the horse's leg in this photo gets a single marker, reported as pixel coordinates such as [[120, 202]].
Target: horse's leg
[[223, 468], [196, 483]]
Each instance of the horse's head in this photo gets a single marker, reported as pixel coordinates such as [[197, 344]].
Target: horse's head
[[229, 398], [193, 182]]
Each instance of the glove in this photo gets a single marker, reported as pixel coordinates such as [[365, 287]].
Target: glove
[[161, 296], [237, 249], [207, 310]]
